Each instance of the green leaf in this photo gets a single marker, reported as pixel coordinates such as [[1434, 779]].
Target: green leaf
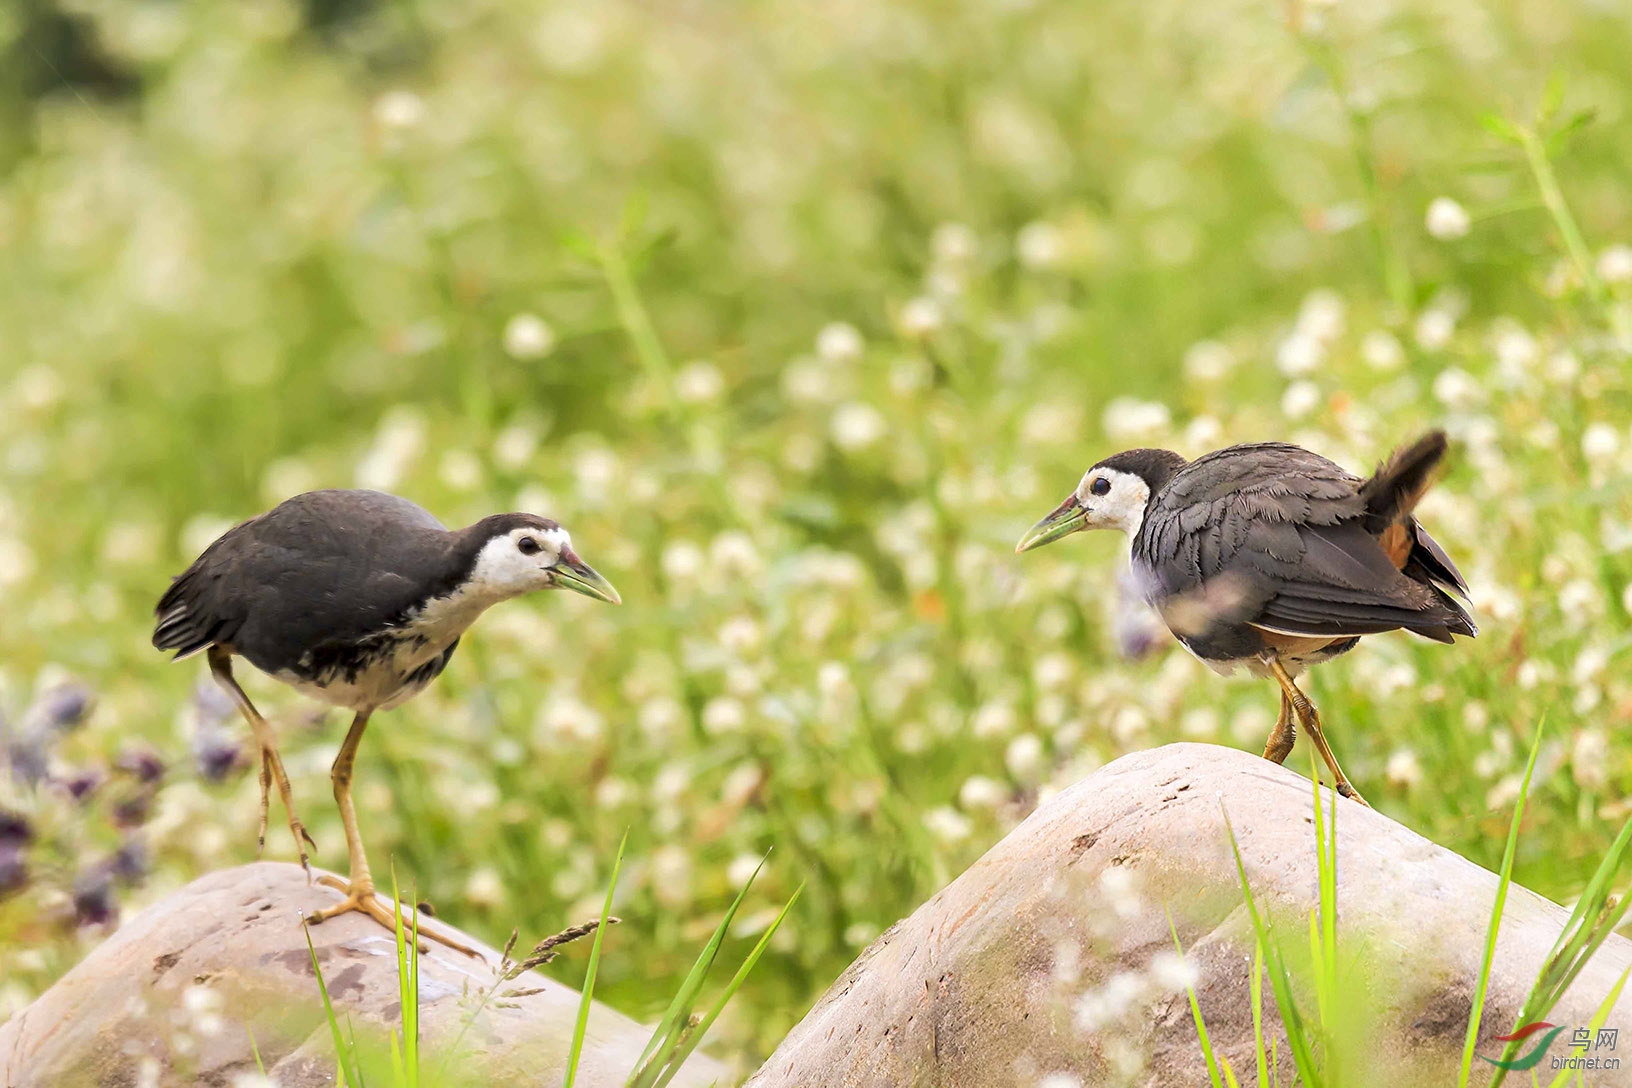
[[1506, 878], [678, 1060], [1501, 127], [666, 1036], [581, 1024]]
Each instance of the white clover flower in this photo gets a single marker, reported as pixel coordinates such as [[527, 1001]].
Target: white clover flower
[[460, 469], [400, 440], [839, 342], [807, 381], [17, 560], [1590, 760], [1052, 423], [1053, 670], [485, 888], [671, 875], [1203, 432], [1173, 971], [1300, 398], [252, 1080], [682, 560], [1381, 350], [514, 446], [1128, 419], [565, 717], [857, 426], [993, 719], [1435, 328], [1322, 315], [1024, 758], [947, 824], [1403, 768], [1039, 245], [1600, 441], [733, 553], [1300, 354], [1208, 361], [528, 336], [1060, 1080], [979, 792], [723, 714], [1615, 264], [741, 784], [1200, 722], [954, 243], [1563, 367], [921, 317], [198, 1000], [742, 869], [399, 109], [740, 635], [698, 382], [1456, 388], [1446, 219], [1120, 888]]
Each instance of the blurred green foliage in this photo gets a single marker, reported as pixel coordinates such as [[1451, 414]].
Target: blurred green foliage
[[796, 315]]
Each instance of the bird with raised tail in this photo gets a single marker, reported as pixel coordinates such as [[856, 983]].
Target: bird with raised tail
[[1270, 557], [357, 599]]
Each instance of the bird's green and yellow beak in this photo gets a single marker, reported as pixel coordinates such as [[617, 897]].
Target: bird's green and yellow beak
[[573, 573], [1063, 520]]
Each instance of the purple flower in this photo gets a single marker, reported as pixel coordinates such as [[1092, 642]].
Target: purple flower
[[142, 762], [62, 708], [94, 904], [216, 752]]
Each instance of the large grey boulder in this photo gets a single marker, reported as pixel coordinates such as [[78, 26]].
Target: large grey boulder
[[1052, 954], [177, 991]]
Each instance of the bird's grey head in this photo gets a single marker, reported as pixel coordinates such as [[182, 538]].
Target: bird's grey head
[[520, 553], [1112, 495]]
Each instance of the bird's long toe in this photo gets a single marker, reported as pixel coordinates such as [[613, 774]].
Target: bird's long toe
[[366, 901]]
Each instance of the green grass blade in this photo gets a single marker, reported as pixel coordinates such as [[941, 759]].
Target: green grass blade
[[678, 1061], [255, 1050], [581, 1024], [407, 990], [347, 1075], [1506, 878], [1279, 978], [1598, 1019], [1213, 1074], [1257, 990], [667, 1033]]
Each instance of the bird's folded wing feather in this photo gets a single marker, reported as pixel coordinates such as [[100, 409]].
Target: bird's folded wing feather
[[1282, 529]]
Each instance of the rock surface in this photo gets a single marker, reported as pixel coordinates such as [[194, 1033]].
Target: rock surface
[[1048, 954], [179, 988]]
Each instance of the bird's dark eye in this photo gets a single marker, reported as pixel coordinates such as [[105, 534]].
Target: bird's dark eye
[[527, 546], [1100, 486]]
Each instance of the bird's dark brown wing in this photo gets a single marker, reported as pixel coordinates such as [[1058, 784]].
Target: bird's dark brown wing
[[323, 567], [1274, 536]]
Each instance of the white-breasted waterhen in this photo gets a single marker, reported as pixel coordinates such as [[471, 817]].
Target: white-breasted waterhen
[[1273, 558], [356, 598]]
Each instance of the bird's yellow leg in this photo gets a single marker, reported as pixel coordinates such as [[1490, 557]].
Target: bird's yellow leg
[[359, 891], [1310, 717], [1282, 737], [271, 762]]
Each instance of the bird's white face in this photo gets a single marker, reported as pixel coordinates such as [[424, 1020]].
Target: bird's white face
[[1107, 498], [1112, 499], [519, 561], [528, 558]]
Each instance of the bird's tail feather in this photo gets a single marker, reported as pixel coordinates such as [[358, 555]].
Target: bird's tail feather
[[1400, 482]]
